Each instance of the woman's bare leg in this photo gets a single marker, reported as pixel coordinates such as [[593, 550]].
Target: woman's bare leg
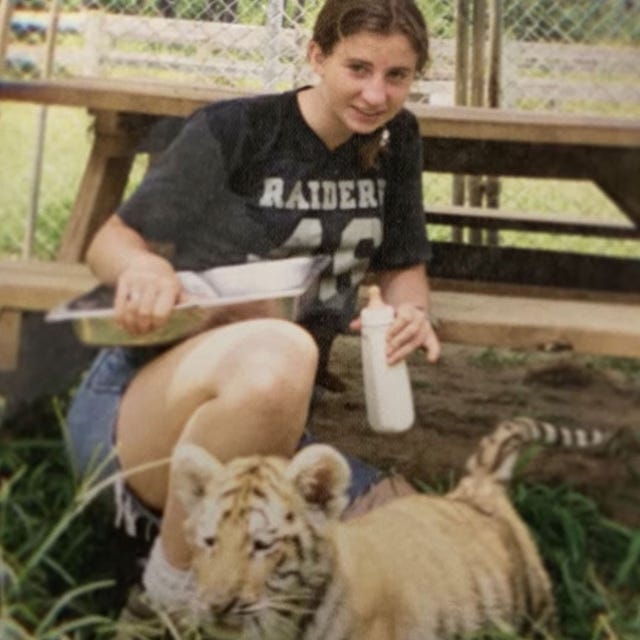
[[237, 390]]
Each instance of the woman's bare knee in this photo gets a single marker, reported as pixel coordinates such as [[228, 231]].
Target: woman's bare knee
[[265, 393], [256, 356], [237, 390], [282, 362]]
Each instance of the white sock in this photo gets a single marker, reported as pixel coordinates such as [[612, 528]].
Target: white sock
[[169, 588]]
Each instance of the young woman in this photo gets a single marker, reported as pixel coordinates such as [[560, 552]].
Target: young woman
[[331, 169]]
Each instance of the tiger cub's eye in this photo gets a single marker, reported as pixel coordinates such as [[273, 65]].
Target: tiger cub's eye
[[209, 541], [262, 545]]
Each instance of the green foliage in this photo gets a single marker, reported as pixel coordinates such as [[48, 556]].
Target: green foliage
[[61, 562], [66, 147], [56, 551], [594, 562], [440, 17], [495, 358], [629, 367]]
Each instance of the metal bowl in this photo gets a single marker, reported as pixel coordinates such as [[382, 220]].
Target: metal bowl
[[271, 288]]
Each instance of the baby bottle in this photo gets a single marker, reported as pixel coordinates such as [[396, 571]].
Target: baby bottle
[[387, 388]]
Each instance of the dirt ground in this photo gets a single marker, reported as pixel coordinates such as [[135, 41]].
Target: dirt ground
[[471, 389]]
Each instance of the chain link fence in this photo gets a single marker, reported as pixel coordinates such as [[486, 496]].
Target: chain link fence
[[575, 56]]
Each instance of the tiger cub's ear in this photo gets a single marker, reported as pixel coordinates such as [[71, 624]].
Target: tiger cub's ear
[[192, 469], [322, 477]]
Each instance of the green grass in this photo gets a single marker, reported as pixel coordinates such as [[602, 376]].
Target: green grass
[[499, 358], [496, 358], [44, 547], [66, 148], [64, 570], [63, 567], [67, 145], [594, 562]]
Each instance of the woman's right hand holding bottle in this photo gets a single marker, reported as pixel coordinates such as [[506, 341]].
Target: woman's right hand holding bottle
[[147, 290]]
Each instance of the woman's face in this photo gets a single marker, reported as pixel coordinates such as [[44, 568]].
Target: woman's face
[[364, 80]]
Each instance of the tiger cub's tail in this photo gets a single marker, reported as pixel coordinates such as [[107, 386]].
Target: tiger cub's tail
[[498, 452]]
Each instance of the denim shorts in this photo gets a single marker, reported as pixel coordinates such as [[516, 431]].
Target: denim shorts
[[91, 424]]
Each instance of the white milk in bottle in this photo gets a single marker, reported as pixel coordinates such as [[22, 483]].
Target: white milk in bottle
[[387, 388]]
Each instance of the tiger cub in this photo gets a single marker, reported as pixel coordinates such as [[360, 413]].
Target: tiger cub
[[273, 560]]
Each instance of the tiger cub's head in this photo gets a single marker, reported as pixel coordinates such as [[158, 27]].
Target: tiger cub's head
[[256, 529]]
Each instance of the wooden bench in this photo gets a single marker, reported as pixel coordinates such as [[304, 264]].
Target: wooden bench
[[499, 219], [481, 314], [33, 286], [537, 318]]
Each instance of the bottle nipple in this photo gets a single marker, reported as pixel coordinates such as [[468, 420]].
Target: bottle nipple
[[375, 297]]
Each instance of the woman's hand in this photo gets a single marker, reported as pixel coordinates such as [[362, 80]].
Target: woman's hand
[[407, 291], [411, 330], [146, 291]]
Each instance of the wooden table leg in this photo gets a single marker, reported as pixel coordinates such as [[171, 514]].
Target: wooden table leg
[[103, 183], [10, 323], [619, 180]]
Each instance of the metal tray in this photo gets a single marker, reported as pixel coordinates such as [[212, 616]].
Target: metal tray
[[274, 288]]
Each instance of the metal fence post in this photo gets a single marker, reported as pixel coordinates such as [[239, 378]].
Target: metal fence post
[[477, 97], [6, 9], [494, 84], [275, 15], [463, 22], [36, 176]]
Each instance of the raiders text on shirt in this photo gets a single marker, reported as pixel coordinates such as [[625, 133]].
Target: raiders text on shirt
[[324, 195]]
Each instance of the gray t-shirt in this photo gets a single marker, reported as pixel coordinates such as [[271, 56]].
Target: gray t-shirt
[[248, 179]]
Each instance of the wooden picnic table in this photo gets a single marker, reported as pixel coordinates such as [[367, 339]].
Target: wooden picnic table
[[458, 140]]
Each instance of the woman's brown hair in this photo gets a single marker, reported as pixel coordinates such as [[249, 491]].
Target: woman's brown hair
[[339, 19], [342, 18]]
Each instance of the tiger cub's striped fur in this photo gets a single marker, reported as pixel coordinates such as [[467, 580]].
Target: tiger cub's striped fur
[[273, 561]]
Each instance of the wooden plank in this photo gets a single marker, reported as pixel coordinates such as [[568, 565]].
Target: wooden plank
[[614, 169], [36, 268], [6, 11], [619, 180], [533, 323], [537, 267], [533, 291], [520, 221], [10, 325], [464, 123], [495, 317], [39, 286], [102, 186], [138, 96], [473, 123]]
